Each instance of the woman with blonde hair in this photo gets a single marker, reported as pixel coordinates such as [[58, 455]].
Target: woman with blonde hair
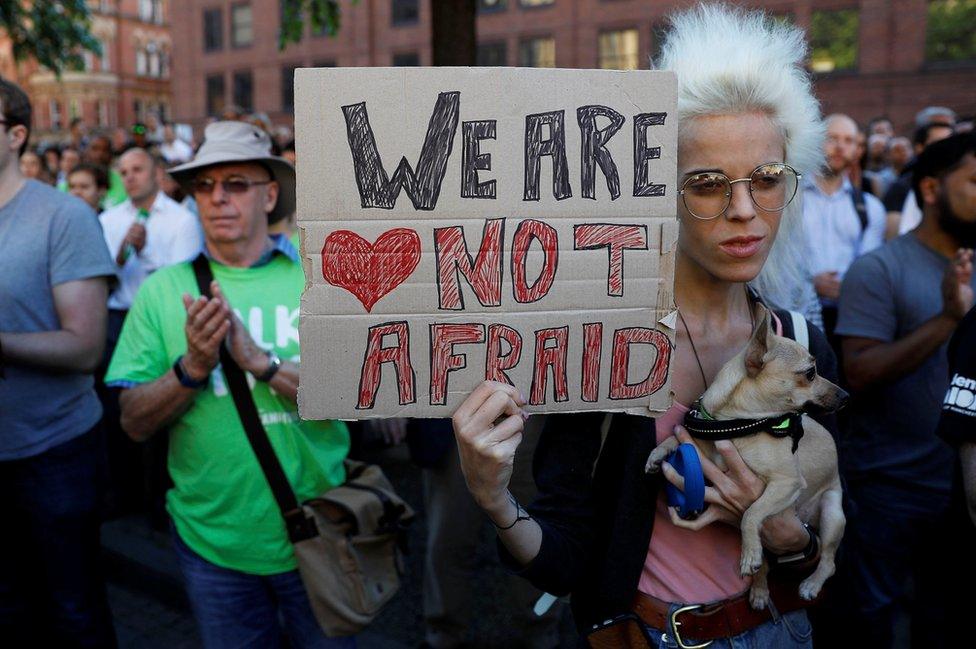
[[748, 122]]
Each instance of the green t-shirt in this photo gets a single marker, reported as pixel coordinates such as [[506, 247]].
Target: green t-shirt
[[116, 190], [220, 502]]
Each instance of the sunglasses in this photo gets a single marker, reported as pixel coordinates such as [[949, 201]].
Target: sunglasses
[[230, 185]]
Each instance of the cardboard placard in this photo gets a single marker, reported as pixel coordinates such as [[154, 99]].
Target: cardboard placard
[[460, 224]]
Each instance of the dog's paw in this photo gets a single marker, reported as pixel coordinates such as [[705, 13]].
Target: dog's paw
[[810, 588], [759, 597], [659, 455], [654, 461], [751, 561]]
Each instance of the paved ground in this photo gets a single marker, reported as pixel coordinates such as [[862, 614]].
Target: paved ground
[[151, 611]]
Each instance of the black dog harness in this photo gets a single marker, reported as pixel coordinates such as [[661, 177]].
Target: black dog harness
[[702, 425]]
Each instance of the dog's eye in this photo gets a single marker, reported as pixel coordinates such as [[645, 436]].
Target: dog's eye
[[811, 373]]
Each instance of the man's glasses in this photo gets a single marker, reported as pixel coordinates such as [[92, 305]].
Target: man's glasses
[[230, 185], [708, 195]]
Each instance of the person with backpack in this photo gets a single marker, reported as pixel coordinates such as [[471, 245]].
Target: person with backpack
[[841, 221], [229, 532]]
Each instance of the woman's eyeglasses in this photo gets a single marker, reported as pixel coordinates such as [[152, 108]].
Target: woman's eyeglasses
[[230, 185], [708, 195]]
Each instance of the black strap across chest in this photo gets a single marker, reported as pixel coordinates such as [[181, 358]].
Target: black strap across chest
[[701, 426], [298, 525]]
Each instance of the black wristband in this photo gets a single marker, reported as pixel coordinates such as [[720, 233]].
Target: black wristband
[[274, 364], [811, 550], [518, 517], [185, 380]]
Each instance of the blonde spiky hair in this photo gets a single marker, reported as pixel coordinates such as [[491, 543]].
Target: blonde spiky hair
[[729, 60]]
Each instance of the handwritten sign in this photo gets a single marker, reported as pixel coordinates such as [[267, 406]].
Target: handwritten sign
[[463, 224]]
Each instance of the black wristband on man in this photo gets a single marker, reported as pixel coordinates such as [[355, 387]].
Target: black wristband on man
[[185, 379]]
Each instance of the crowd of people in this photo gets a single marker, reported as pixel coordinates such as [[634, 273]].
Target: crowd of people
[[108, 344]]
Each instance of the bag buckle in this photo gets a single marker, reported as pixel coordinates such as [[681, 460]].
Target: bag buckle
[[675, 623], [300, 527]]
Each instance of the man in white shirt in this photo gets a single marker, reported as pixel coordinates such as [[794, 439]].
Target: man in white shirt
[[841, 222], [173, 149], [145, 232]]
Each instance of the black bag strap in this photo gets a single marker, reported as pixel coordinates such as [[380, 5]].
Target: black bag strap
[[298, 525], [862, 211]]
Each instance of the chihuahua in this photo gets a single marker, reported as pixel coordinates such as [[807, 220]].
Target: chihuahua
[[772, 377]]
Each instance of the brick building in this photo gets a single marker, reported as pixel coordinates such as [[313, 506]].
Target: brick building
[[871, 57], [128, 81]]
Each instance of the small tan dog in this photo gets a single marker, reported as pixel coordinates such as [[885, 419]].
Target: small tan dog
[[774, 376]]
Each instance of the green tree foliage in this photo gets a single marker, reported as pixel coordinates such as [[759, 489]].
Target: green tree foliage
[[833, 40], [53, 33], [323, 16], [950, 31]]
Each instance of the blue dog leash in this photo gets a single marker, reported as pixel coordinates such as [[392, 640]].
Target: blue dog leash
[[690, 502]]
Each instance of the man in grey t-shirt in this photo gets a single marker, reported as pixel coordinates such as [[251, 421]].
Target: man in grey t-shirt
[[53, 287], [898, 307]]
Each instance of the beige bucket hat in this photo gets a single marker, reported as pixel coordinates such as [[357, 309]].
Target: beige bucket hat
[[227, 142]]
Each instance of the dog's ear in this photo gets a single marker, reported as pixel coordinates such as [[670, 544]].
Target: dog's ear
[[758, 345]]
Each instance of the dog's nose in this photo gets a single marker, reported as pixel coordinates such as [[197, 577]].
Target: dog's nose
[[842, 398]]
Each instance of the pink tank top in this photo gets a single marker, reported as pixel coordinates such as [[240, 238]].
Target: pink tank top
[[684, 566]]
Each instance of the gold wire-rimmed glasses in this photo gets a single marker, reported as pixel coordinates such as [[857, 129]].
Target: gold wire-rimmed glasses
[[772, 186]]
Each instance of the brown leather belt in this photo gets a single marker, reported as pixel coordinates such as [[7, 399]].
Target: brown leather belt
[[700, 623]]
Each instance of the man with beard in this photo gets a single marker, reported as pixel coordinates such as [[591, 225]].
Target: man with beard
[[899, 306], [841, 221]]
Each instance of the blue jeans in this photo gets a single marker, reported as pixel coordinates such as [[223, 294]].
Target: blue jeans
[[789, 631], [235, 610], [51, 589]]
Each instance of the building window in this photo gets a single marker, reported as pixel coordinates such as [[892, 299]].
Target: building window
[[151, 11], [213, 30], [537, 53], [833, 40], [244, 90], [406, 60], [241, 26], [282, 18], [102, 112], [138, 109], [535, 3], [152, 55], [492, 54], [164, 64], [104, 61], [288, 88], [215, 94], [55, 110], [74, 110], [619, 50], [142, 64], [488, 6], [949, 31], [405, 12]]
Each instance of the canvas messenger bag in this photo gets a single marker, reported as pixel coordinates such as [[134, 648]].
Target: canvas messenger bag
[[349, 541]]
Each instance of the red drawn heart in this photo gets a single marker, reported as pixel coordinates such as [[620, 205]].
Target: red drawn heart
[[370, 270]]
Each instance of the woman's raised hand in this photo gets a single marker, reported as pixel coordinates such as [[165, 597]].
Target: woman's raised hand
[[488, 426]]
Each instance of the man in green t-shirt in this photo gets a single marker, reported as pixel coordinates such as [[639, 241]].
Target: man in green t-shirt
[[99, 152], [234, 552]]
